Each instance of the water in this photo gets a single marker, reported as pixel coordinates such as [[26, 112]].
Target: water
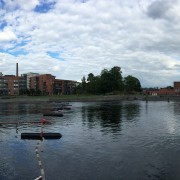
[[118, 140]]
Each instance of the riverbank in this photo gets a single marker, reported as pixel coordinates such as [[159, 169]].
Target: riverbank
[[64, 98], [87, 98]]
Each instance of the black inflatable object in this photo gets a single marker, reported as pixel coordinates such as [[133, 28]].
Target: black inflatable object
[[39, 136], [53, 114]]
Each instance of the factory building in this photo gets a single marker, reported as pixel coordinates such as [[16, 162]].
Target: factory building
[[34, 83], [46, 84]]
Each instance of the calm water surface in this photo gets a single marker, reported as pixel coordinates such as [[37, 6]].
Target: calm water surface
[[131, 140]]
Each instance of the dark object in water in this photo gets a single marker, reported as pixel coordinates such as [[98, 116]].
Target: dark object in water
[[39, 136], [67, 108], [62, 108], [53, 114]]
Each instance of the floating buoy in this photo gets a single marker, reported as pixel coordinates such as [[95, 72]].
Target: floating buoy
[[39, 136], [43, 121]]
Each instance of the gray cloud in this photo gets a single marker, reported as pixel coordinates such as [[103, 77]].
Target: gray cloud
[[164, 9]]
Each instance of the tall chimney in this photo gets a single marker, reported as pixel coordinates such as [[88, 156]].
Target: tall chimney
[[16, 69], [17, 76]]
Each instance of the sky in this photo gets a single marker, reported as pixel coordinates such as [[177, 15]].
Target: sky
[[72, 38]]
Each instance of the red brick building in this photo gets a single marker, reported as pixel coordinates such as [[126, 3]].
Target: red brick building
[[43, 83], [4, 89], [64, 86], [166, 91], [46, 84], [12, 83], [159, 92], [177, 88]]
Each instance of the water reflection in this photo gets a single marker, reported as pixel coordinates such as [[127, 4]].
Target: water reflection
[[177, 108], [131, 111], [19, 108], [109, 115]]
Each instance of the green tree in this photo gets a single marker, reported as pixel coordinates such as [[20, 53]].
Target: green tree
[[116, 78], [83, 84], [111, 80], [38, 92], [91, 83], [97, 85], [90, 77], [106, 83], [132, 84], [32, 91]]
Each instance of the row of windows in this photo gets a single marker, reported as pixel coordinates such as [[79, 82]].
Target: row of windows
[[2, 80], [3, 84], [177, 90], [3, 88]]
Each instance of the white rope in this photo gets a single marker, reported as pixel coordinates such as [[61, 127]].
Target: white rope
[[40, 163], [38, 178], [42, 177]]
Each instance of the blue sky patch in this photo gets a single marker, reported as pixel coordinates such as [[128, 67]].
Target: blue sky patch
[[55, 55], [22, 43], [2, 3], [3, 24], [14, 52], [18, 53], [17, 50], [44, 7]]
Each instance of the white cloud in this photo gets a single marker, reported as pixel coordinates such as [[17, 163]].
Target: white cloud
[[21, 4], [7, 36], [95, 35]]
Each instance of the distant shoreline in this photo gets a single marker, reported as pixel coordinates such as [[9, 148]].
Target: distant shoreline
[[67, 98]]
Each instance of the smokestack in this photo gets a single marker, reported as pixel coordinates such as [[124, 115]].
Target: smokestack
[[16, 69], [17, 76]]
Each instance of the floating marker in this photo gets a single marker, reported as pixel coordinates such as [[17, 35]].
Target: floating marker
[[39, 136]]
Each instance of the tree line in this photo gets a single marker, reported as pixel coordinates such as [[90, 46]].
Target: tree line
[[109, 81]]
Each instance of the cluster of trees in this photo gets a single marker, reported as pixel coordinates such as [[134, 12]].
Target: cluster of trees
[[109, 81]]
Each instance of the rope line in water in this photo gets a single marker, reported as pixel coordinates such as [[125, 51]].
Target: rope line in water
[[40, 163], [42, 177]]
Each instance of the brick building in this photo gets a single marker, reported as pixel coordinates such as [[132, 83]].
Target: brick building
[[43, 83], [28, 76], [46, 84], [4, 90], [159, 92], [64, 86], [177, 88], [22, 84], [12, 85], [12, 82]]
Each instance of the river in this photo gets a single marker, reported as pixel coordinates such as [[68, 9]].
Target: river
[[127, 140]]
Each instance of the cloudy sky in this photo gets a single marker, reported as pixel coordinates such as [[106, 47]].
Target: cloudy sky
[[72, 38]]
